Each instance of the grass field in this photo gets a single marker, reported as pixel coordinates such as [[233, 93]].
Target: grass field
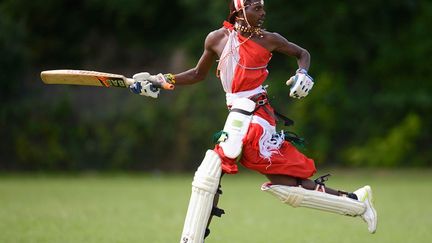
[[151, 208]]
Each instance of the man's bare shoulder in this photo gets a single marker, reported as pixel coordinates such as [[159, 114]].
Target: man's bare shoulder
[[217, 34], [274, 40], [274, 37], [216, 40], [279, 43]]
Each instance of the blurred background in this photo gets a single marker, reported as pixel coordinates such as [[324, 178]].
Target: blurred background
[[370, 107]]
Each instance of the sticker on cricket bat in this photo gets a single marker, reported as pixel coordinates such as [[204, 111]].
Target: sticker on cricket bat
[[92, 78]]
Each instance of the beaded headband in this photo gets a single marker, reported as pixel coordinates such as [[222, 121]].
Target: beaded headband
[[240, 4]]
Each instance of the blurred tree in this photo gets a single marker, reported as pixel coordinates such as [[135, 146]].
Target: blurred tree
[[370, 105]]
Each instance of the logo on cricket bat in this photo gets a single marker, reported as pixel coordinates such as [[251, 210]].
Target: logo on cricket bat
[[115, 82]]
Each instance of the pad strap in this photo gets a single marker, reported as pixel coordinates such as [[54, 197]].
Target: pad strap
[[217, 212], [320, 185], [247, 113], [261, 100]]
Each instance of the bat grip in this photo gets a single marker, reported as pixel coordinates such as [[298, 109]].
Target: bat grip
[[158, 85], [165, 85]]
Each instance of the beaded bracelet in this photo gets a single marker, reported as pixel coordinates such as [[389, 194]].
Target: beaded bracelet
[[170, 78]]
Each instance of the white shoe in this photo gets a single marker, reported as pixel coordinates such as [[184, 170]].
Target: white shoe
[[370, 215]]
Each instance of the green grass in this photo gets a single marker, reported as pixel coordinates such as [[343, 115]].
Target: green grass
[[150, 208]]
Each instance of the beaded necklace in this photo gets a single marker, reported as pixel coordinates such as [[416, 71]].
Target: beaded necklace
[[249, 29]]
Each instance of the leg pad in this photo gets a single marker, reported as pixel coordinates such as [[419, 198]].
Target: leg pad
[[204, 187], [300, 197]]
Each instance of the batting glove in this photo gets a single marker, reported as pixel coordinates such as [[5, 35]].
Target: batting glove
[[301, 83], [143, 86]]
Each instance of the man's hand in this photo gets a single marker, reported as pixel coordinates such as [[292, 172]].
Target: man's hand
[[301, 83], [143, 85]]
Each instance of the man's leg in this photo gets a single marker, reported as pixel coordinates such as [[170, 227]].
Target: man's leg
[[306, 183], [313, 194], [204, 187]]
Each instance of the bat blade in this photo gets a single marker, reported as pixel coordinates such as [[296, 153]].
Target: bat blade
[[84, 77]]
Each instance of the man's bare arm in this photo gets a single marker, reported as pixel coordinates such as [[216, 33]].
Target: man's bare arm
[[204, 64], [283, 46]]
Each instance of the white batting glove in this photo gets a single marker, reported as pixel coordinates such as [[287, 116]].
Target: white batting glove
[[144, 86], [158, 79], [301, 83]]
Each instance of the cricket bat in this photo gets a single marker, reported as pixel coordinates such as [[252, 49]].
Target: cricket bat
[[92, 78]]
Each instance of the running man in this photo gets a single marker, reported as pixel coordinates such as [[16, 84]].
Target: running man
[[243, 50]]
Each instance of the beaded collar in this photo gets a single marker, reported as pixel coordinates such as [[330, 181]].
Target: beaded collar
[[249, 29]]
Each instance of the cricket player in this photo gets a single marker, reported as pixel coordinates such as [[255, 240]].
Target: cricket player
[[243, 50]]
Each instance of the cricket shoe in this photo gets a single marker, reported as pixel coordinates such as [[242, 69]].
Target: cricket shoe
[[370, 215]]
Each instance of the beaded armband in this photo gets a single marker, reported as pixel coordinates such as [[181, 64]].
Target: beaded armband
[[170, 78]]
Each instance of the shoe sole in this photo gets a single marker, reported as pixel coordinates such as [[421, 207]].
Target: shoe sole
[[370, 200]]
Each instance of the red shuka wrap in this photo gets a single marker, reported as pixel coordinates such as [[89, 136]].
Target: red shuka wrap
[[243, 70]]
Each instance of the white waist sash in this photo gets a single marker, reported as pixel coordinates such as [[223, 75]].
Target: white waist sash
[[230, 97]]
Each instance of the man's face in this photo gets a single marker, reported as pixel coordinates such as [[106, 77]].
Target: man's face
[[255, 13]]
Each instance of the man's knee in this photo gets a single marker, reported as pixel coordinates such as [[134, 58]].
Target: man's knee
[[284, 180]]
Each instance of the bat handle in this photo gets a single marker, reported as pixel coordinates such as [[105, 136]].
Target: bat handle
[[165, 85]]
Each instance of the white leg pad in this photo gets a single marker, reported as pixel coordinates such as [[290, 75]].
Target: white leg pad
[[300, 197], [204, 187]]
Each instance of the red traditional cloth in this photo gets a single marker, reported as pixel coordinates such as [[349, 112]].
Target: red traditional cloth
[[249, 73]]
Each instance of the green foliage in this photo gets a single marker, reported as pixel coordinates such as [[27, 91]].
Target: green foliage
[[396, 148], [13, 50], [370, 105]]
